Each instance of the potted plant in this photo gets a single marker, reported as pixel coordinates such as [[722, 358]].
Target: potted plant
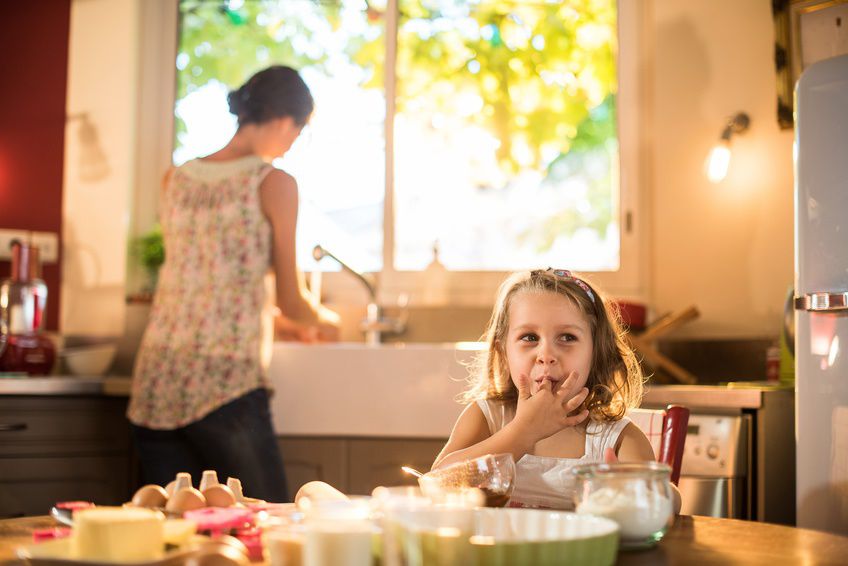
[[149, 248]]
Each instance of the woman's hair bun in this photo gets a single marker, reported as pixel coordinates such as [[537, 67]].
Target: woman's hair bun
[[275, 92], [234, 101]]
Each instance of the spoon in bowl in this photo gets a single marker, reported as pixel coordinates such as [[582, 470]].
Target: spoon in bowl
[[411, 471]]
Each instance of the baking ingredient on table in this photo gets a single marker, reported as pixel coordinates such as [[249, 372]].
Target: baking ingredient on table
[[285, 546], [179, 531], [180, 496], [315, 491], [494, 474], [219, 496], [185, 499], [638, 518], [338, 542], [116, 534], [150, 495]]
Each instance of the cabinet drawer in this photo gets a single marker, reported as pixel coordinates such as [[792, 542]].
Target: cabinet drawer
[[310, 459], [30, 486], [374, 462], [46, 426]]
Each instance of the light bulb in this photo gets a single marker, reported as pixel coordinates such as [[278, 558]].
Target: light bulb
[[717, 162]]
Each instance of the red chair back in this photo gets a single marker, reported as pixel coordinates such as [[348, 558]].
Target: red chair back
[[675, 425], [666, 430]]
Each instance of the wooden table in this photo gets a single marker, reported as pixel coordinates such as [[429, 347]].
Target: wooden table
[[696, 541]]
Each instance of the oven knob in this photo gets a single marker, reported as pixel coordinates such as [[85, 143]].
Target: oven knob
[[712, 451]]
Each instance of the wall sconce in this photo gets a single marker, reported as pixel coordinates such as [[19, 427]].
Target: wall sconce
[[93, 165], [718, 160]]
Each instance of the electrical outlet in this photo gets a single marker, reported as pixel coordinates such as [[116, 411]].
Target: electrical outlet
[[47, 242], [48, 246]]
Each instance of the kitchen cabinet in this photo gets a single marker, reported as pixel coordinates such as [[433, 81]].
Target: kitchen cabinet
[[378, 461], [55, 448], [355, 465], [309, 459]]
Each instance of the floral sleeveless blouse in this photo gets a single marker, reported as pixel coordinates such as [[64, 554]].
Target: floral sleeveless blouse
[[205, 340]]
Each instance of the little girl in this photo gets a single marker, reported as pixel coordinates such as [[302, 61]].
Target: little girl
[[552, 389]]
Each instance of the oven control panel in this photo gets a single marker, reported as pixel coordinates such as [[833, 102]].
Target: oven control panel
[[716, 446]]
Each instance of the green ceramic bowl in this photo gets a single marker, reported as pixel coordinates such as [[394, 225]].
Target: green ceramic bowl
[[534, 537]]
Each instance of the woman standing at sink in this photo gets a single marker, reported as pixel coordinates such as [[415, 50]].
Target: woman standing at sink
[[200, 394]]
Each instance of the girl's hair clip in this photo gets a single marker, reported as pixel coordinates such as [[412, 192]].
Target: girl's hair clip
[[566, 274]]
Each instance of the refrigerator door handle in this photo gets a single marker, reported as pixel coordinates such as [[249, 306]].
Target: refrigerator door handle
[[823, 302]]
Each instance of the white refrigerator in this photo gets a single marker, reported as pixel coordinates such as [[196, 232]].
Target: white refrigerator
[[821, 296]]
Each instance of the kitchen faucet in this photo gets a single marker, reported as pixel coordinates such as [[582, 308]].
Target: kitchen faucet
[[374, 324]]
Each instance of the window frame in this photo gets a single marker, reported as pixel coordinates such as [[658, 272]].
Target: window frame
[[477, 288]]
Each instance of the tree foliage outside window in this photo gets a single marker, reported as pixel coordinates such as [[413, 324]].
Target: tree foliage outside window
[[505, 124]]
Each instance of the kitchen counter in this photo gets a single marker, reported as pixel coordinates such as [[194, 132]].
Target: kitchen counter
[[692, 396], [736, 396], [65, 385]]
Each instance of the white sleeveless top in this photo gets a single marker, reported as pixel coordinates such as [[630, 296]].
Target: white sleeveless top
[[545, 481]]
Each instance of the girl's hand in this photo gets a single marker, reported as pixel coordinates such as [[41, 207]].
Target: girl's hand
[[547, 412], [610, 457]]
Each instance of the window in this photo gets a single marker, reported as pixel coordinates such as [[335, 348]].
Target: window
[[487, 127], [505, 139]]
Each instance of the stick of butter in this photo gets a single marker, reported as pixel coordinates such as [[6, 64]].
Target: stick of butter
[[117, 534]]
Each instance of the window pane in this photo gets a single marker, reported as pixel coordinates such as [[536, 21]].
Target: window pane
[[505, 135], [339, 160]]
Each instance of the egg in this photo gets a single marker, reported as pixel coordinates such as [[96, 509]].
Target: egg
[[150, 496], [317, 491], [219, 496], [182, 480], [184, 500]]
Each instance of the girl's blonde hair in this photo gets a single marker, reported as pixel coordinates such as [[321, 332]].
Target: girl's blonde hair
[[615, 378]]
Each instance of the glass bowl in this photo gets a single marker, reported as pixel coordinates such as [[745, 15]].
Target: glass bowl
[[493, 474], [637, 496]]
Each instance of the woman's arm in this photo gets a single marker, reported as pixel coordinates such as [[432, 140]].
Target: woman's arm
[[279, 200], [634, 446]]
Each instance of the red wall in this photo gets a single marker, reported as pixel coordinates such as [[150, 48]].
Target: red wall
[[33, 83]]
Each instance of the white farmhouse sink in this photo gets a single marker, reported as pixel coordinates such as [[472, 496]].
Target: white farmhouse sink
[[350, 389]]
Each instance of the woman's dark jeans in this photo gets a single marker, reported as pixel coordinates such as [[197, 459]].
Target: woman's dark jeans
[[236, 440]]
